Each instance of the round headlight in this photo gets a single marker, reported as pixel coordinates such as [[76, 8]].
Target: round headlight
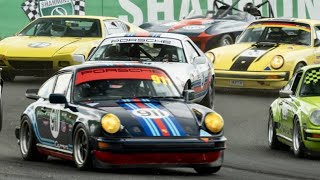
[[315, 117], [211, 56], [277, 62], [110, 123], [214, 122]]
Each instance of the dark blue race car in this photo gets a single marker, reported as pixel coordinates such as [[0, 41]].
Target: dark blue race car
[[100, 115]]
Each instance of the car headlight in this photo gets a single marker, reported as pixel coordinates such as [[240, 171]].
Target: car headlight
[[211, 56], [277, 62], [214, 122], [315, 117], [79, 58], [110, 123]]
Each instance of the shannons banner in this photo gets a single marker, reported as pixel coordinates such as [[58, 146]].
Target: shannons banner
[[139, 11], [37, 8]]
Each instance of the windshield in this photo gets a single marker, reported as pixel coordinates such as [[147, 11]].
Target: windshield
[[63, 27], [122, 83], [277, 32], [311, 83], [150, 49]]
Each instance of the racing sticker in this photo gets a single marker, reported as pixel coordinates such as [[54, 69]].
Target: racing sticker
[[194, 27], [153, 118], [55, 122], [243, 61], [39, 44], [313, 76]]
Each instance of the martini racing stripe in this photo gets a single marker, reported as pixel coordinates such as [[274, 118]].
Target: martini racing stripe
[[144, 124], [243, 61], [171, 120]]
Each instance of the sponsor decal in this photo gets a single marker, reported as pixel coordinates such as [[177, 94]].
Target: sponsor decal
[[63, 126], [120, 73], [39, 44], [150, 113], [194, 27], [56, 7], [169, 24]]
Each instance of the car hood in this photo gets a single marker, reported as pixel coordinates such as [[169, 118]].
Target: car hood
[[145, 117], [246, 57], [25, 46], [197, 25], [310, 103]]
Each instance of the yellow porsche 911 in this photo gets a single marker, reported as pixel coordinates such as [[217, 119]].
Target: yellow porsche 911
[[53, 42], [267, 54]]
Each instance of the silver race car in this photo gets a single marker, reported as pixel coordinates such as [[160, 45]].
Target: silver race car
[[186, 64]]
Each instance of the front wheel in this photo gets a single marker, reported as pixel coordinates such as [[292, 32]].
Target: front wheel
[[81, 148], [298, 146], [207, 170], [225, 40], [28, 147], [272, 135]]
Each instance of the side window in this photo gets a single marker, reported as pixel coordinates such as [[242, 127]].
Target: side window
[[191, 53], [47, 88], [296, 83], [317, 30], [62, 84], [114, 27]]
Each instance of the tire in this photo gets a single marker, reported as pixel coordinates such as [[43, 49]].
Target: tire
[[28, 142], [208, 100], [207, 170], [297, 143], [8, 76], [273, 141], [81, 148], [225, 40]]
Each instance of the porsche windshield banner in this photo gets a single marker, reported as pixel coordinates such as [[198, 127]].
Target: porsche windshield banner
[[37, 8]]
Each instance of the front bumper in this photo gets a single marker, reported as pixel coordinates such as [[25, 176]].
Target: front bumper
[[34, 66], [312, 139], [251, 80], [173, 151]]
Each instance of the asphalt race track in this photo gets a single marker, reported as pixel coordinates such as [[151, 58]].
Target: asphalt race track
[[247, 155]]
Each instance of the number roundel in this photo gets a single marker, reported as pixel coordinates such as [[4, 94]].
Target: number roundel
[[150, 113]]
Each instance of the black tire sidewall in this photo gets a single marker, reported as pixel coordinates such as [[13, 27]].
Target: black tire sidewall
[[226, 36], [32, 153], [301, 151], [87, 164]]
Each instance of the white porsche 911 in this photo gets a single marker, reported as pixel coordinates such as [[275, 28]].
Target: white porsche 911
[[186, 64]]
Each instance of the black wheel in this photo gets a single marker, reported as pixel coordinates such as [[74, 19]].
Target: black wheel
[[8, 76], [272, 137], [225, 40], [298, 67], [297, 143], [207, 170], [81, 148], [28, 142], [208, 100]]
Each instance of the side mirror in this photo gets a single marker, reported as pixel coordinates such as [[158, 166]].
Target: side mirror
[[200, 60], [316, 43], [79, 58], [285, 93], [32, 94], [188, 95], [57, 99]]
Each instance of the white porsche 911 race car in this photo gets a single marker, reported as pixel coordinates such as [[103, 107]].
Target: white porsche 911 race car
[[186, 64]]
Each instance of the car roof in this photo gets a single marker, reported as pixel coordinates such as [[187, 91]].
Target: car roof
[[307, 21], [81, 17], [150, 34], [97, 64]]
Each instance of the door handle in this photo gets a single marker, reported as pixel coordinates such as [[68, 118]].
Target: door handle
[[43, 109]]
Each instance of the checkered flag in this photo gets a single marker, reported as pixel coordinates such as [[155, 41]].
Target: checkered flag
[[30, 8], [79, 6], [313, 76]]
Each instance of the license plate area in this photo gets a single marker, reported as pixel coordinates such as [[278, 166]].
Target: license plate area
[[236, 83]]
